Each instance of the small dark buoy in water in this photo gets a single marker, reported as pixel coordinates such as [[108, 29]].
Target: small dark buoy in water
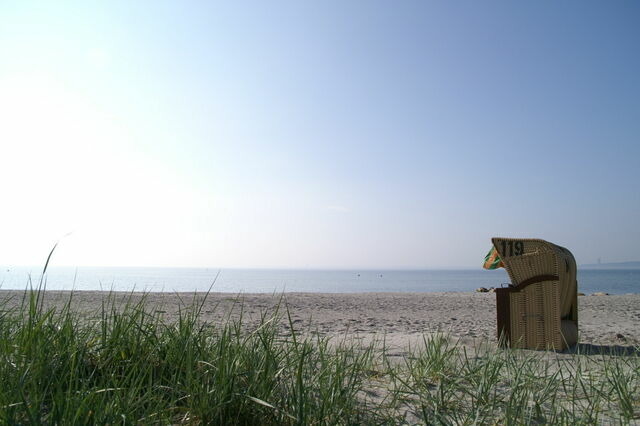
[[358, 274], [380, 275]]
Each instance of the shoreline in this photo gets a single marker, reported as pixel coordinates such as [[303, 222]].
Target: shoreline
[[188, 280]]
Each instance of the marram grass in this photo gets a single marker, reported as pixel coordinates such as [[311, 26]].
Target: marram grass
[[127, 365]]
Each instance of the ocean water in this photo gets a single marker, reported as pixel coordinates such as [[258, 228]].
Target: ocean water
[[612, 281]]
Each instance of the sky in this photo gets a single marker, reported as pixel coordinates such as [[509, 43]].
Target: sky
[[332, 134]]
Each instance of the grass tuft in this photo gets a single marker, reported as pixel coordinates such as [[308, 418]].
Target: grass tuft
[[126, 364]]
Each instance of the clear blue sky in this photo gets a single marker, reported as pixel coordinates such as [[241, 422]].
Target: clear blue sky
[[326, 134]]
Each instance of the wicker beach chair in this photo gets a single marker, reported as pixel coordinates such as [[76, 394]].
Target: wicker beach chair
[[539, 309]]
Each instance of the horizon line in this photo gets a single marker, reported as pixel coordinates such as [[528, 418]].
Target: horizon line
[[316, 268]]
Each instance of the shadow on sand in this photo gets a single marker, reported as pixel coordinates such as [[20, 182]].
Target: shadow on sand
[[611, 350]]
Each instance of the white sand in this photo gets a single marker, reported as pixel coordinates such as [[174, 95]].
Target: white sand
[[402, 318]]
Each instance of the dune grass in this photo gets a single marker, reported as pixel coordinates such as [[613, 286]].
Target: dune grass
[[128, 365], [443, 384]]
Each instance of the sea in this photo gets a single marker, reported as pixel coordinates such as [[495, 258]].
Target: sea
[[613, 281]]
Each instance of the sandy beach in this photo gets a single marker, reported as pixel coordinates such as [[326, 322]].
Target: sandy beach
[[403, 322], [401, 318]]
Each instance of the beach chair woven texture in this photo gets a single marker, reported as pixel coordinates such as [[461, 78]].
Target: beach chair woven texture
[[539, 310]]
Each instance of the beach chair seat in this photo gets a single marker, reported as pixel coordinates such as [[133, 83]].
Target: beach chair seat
[[539, 309]]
